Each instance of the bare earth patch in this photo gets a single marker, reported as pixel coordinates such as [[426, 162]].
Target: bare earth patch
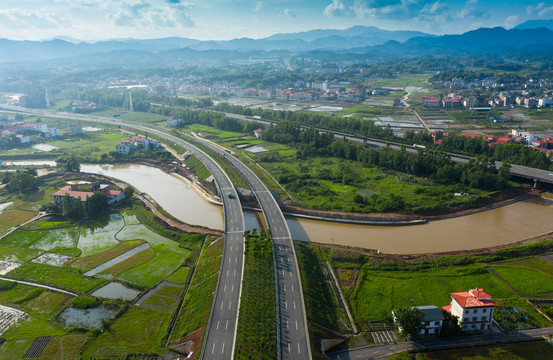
[[7, 266], [53, 259]]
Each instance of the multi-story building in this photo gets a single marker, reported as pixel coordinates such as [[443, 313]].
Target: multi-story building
[[473, 309]]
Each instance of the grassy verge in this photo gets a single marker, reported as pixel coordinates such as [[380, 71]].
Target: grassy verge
[[196, 306], [321, 303], [67, 278], [198, 167], [532, 277], [257, 332], [138, 331], [92, 261], [527, 351]]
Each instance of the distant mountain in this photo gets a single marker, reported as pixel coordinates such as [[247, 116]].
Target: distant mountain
[[536, 24], [484, 40], [366, 35], [355, 42]]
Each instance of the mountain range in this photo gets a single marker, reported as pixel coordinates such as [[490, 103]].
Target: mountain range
[[536, 35]]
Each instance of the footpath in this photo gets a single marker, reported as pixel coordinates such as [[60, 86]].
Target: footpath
[[385, 350]]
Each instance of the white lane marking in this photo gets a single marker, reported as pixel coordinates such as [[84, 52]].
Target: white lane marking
[[217, 325], [221, 305], [292, 287], [232, 288], [235, 273], [294, 305], [286, 304], [213, 350], [229, 305], [284, 288], [290, 272], [227, 272], [286, 324], [225, 289], [223, 350], [299, 351], [296, 324], [236, 260], [229, 260], [226, 326], [288, 348]]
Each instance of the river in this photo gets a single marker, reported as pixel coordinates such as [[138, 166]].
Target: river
[[504, 225]]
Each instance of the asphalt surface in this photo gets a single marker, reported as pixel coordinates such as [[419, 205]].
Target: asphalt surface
[[385, 350], [293, 336], [220, 338]]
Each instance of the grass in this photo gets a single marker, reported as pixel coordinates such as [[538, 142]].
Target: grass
[[257, 330], [161, 302], [92, 261], [196, 306], [180, 276], [526, 351], [321, 303], [16, 253], [43, 239], [48, 302], [529, 282], [15, 348], [11, 218], [34, 326], [198, 167], [64, 347], [153, 271], [135, 260], [131, 333], [378, 292], [64, 277]]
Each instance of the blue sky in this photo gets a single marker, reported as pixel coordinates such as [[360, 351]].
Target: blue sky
[[227, 19]]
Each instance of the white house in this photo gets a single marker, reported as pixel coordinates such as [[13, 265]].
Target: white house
[[432, 321], [54, 132], [173, 121], [24, 139], [529, 137], [124, 148], [257, 133], [473, 309]]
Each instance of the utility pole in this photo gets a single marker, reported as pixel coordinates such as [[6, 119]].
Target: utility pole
[[130, 100]]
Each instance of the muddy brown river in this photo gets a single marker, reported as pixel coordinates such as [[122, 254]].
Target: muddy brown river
[[504, 225]]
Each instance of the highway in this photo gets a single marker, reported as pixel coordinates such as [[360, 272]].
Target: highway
[[293, 336], [219, 341]]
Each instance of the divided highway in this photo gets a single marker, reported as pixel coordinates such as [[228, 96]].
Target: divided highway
[[220, 337], [292, 331]]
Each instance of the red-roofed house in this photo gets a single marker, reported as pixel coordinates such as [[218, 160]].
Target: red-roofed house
[[430, 102], [474, 309], [257, 133]]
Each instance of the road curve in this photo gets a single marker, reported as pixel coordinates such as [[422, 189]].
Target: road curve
[[292, 331], [220, 338]]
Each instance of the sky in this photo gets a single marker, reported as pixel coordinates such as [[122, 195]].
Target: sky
[[93, 20]]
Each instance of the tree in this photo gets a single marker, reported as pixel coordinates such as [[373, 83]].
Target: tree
[[128, 192], [97, 202], [73, 163], [410, 321], [67, 206]]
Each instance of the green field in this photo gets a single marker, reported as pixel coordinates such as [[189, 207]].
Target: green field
[[139, 330], [94, 239], [155, 270], [527, 351], [257, 328], [196, 306], [532, 277]]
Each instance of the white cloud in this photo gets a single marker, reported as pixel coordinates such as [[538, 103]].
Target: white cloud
[[512, 21], [22, 20], [533, 9], [258, 6], [386, 9], [471, 11], [289, 14], [339, 8], [144, 14]]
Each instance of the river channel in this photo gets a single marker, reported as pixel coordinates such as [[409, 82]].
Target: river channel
[[504, 225]]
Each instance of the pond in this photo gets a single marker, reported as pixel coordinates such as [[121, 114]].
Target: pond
[[86, 318], [114, 291]]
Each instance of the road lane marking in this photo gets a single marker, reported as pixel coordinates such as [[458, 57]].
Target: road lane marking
[[299, 351], [234, 272], [284, 288], [229, 305], [296, 324], [232, 288], [294, 305], [227, 272], [226, 326], [225, 288], [223, 350], [217, 325], [286, 304], [213, 350], [292, 287], [221, 305]]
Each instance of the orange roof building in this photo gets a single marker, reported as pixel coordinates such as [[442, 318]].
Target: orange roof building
[[473, 308]]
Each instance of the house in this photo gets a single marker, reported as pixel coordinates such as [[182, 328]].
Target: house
[[124, 148], [173, 121], [432, 321], [53, 132], [451, 103], [430, 102], [23, 138], [529, 137], [75, 129], [257, 133], [473, 309], [113, 196]]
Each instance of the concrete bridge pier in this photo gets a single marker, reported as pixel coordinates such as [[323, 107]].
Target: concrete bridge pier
[[536, 182]]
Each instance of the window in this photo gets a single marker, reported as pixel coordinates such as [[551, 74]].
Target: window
[[475, 319], [484, 310], [466, 311], [474, 311], [484, 318]]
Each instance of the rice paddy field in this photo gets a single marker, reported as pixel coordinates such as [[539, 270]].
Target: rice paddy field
[[56, 253]]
